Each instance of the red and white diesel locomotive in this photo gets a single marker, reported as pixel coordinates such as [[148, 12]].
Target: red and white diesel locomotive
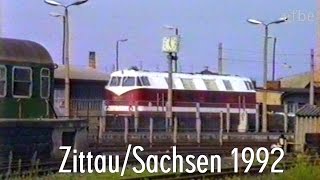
[[145, 92]]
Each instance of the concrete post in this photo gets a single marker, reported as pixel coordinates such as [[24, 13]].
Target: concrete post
[[126, 129], [257, 118], [221, 128], [167, 119], [151, 131], [136, 118], [228, 118], [175, 131], [102, 128], [198, 123], [285, 119]]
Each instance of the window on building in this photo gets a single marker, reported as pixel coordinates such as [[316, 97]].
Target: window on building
[[115, 81], [3, 81], [228, 85], [211, 84], [45, 83], [22, 82], [145, 81], [128, 81], [188, 84]]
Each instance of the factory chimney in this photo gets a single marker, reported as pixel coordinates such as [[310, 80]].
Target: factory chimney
[[92, 59]]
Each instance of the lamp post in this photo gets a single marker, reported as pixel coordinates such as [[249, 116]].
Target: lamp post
[[265, 65], [66, 48], [64, 33], [176, 30], [117, 52]]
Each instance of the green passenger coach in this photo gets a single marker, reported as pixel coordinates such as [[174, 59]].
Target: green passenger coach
[[26, 80]]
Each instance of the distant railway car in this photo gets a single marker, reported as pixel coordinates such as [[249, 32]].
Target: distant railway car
[[129, 91], [26, 71]]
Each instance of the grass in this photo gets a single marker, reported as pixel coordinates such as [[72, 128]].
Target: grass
[[302, 170]]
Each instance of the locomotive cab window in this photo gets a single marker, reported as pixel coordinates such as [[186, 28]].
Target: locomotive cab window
[[145, 81], [22, 82], [45, 83], [3, 81], [128, 81], [115, 81]]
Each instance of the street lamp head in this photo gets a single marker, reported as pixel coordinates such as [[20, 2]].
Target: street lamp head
[[281, 20], [123, 40], [79, 2], [254, 21], [54, 14], [169, 27], [53, 2]]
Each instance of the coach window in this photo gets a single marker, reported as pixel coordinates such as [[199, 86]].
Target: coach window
[[3, 81], [115, 81], [228, 85], [45, 83], [22, 82], [128, 81]]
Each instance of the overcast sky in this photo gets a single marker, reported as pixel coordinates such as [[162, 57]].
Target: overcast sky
[[96, 25]]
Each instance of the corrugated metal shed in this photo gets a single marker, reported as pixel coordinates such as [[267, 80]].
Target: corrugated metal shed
[[309, 111], [23, 51], [81, 73]]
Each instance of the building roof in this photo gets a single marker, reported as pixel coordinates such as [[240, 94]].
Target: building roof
[[309, 111], [23, 51], [81, 73], [296, 81]]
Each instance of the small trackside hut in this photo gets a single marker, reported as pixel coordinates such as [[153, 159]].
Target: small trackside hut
[[28, 124], [307, 129]]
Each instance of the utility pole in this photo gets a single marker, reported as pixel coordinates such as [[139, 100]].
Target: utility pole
[[311, 93], [220, 59], [274, 59]]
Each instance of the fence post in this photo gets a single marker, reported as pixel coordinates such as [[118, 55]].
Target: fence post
[[151, 131], [102, 128], [136, 118], [151, 126], [257, 118], [221, 128], [285, 119], [19, 167], [228, 118], [126, 129], [88, 109], [198, 123], [175, 129], [9, 166]]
